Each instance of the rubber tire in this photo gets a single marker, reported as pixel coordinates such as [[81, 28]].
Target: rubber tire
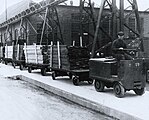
[[99, 86], [43, 71], [21, 67], [29, 69], [6, 62], [139, 91], [75, 81], [90, 81], [53, 75], [119, 90]]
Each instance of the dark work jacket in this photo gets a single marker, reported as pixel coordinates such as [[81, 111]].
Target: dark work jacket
[[118, 43]]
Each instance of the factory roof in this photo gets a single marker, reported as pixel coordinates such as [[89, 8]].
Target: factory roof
[[15, 9]]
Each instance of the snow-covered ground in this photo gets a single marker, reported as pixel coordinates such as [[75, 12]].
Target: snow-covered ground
[[131, 104], [22, 101]]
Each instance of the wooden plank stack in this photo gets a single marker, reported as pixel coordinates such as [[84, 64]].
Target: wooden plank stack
[[71, 58], [18, 53], [1, 52], [8, 52], [36, 54]]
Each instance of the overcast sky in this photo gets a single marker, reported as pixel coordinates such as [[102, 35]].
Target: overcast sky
[[142, 4]]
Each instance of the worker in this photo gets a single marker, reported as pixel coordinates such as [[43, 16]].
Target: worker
[[118, 47]]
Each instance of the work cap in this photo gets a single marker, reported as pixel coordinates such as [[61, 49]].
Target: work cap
[[120, 33]]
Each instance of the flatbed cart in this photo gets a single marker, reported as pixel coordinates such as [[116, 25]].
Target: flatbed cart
[[20, 63], [43, 67], [7, 60], [123, 76], [76, 75]]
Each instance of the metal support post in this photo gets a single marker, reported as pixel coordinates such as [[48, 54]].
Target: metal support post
[[121, 14], [44, 25], [97, 27], [114, 20]]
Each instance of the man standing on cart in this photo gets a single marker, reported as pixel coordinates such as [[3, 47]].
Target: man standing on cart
[[118, 47]]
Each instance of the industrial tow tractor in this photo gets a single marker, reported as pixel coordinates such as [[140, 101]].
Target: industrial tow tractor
[[123, 75]]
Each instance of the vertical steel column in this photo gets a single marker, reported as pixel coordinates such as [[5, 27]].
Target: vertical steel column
[[114, 20], [81, 31], [97, 27], [44, 25], [121, 15], [138, 23]]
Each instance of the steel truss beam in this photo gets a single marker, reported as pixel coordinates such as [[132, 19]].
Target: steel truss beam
[[34, 9]]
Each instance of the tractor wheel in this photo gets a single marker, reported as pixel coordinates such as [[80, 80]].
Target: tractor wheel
[[43, 71], [29, 69], [99, 86], [139, 91], [119, 90], [53, 75], [75, 80], [90, 81]]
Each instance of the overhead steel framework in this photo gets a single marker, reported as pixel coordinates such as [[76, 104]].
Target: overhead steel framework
[[41, 8], [34, 9], [117, 14]]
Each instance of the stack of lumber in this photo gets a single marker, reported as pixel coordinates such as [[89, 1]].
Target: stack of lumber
[[36, 54], [1, 52], [18, 53], [71, 58], [8, 52]]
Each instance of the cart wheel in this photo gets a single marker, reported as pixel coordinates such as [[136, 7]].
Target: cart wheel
[[90, 81], [99, 86], [29, 69], [53, 75], [43, 71], [21, 67], [6, 62], [139, 91], [13, 64], [119, 90], [75, 80]]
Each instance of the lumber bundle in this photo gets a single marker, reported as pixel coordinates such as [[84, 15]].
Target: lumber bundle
[[71, 58], [36, 54], [1, 52], [18, 53], [8, 52]]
